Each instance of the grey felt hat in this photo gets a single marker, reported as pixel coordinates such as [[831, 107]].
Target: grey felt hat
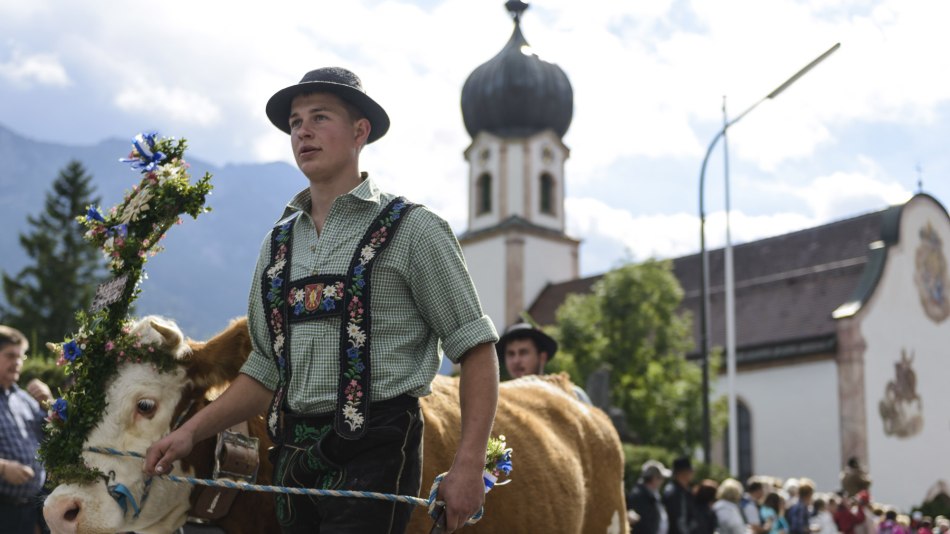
[[337, 80]]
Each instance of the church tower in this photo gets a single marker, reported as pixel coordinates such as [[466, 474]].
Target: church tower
[[517, 108]]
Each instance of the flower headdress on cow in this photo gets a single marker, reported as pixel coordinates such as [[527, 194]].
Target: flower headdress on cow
[[128, 234]]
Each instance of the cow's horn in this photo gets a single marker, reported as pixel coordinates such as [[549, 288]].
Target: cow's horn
[[170, 336]]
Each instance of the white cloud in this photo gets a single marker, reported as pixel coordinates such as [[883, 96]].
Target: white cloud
[[153, 100], [34, 69], [670, 235], [648, 81]]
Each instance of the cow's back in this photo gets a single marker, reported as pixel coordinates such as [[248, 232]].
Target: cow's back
[[568, 463]]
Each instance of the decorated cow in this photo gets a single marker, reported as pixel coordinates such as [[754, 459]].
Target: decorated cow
[[567, 475]]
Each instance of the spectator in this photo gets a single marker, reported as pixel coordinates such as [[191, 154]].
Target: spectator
[[799, 514], [926, 525], [704, 497], [644, 500], [773, 514], [727, 510], [791, 492], [941, 524], [21, 430], [749, 504], [890, 524], [678, 499], [845, 518], [822, 520]]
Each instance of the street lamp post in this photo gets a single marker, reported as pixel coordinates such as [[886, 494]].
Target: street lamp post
[[704, 284]]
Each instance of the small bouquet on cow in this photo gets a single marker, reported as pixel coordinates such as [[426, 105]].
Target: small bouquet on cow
[[497, 463], [128, 234]]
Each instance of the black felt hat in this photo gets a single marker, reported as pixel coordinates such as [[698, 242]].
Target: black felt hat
[[682, 463], [545, 342], [338, 81]]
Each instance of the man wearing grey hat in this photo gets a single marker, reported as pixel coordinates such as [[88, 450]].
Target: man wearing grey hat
[[354, 293], [644, 500]]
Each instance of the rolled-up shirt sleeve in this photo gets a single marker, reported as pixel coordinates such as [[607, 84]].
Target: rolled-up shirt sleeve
[[260, 364], [442, 288]]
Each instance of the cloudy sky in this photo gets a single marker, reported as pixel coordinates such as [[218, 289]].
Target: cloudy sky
[[853, 135]]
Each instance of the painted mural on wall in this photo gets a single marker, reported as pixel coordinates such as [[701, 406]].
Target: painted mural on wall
[[901, 408], [930, 275]]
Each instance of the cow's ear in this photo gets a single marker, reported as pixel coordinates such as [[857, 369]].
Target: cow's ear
[[218, 361], [171, 337]]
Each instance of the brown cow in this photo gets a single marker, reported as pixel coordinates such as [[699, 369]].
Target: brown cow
[[568, 463]]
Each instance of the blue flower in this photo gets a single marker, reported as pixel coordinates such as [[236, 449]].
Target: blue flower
[[276, 282], [94, 215], [397, 207], [504, 463], [328, 304], [71, 351], [395, 216], [298, 308], [281, 362], [60, 408], [353, 353], [121, 230], [359, 367], [360, 283], [358, 270], [144, 157]]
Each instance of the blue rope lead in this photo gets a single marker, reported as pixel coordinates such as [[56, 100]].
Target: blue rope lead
[[244, 486]]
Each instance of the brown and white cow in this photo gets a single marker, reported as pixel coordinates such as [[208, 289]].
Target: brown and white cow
[[568, 463]]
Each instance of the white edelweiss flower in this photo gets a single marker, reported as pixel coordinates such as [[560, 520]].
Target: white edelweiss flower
[[358, 338], [329, 291], [353, 418], [367, 253], [278, 265], [352, 329], [167, 171], [298, 295]]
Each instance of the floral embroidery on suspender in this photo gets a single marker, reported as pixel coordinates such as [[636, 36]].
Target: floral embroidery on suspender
[[354, 394], [318, 297], [272, 293]]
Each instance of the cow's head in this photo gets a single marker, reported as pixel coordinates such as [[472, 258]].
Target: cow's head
[[143, 405]]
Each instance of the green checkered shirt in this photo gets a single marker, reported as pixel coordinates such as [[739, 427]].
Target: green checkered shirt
[[422, 301]]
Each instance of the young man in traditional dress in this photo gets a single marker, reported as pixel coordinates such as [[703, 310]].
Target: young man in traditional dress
[[355, 292]]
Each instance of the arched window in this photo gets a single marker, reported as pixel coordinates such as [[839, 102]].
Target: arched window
[[547, 194], [745, 440], [483, 194]]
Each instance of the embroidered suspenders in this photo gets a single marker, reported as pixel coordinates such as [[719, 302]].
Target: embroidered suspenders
[[318, 297]]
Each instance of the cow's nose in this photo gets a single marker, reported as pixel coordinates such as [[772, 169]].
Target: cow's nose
[[62, 516]]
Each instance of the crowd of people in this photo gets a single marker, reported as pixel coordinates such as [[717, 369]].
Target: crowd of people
[[669, 501]]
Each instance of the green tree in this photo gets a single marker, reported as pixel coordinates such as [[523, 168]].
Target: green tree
[[61, 278], [632, 324]]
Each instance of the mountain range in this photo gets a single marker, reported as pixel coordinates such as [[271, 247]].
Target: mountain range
[[202, 277]]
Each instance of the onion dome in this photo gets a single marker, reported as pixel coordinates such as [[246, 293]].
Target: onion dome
[[516, 93]]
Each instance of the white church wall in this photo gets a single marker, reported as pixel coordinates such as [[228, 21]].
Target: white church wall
[[486, 264], [545, 261], [907, 442], [794, 420]]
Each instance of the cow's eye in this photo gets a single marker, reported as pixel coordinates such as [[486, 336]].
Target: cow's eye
[[145, 406]]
